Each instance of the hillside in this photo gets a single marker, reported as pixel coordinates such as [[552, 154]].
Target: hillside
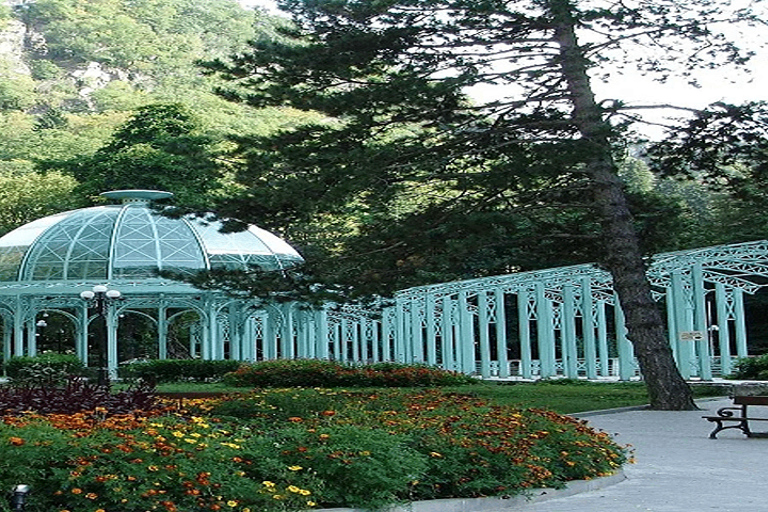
[[73, 71]]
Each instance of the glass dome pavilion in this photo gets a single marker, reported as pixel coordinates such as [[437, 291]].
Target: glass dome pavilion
[[46, 264]]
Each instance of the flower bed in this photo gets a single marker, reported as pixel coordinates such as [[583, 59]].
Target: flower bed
[[294, 449]]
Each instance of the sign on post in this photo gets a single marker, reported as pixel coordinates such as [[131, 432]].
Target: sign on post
[[691, 335]]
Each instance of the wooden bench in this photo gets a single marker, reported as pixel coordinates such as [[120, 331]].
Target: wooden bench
[[738, 416]]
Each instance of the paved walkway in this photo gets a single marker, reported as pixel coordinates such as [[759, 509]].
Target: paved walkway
[[678, 468]]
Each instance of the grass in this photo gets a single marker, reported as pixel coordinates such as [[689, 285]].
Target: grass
[[564, 396]]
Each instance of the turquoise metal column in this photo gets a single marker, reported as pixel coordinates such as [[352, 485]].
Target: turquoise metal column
[[501, 333], [378, 352], [321, 338], [302, 334], [269, 342], [112, 323], [363, 343], [416, 338], [162, 332], [7, 338], [431, 339], [288, 350], [682, 324], [485, 343], [446, 334], [465, 345], [248, 353], [386, 335], [588, 328], [343, 341], [31, 338], [524, 330], [354, 334], [672, 329], [740, 323], [336, 340], [570, 351], [700, 322], [234, 321], [81, 332], [723, 332], [602, 340], [545, 331], [18, 329], [400, 331], [624, 347]]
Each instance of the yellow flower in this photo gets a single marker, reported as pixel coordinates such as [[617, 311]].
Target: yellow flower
[[176, 433], [232, 503], [293, 488], [267, 483], [304, 492], [311, 503], [295, 468]]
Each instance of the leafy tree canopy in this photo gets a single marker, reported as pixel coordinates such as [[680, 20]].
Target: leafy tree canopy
[[159, 148]]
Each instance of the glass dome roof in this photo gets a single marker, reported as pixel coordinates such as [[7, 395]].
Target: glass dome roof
[[131, 241]]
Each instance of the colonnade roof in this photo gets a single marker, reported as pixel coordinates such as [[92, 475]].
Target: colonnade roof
[[742, 266]]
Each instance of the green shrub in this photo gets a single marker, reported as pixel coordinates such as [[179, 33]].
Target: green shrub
[[44, 368], [751, 368], [179, 370], [316, 373]]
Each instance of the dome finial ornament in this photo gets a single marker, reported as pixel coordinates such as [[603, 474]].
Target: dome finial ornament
[[137, 195]]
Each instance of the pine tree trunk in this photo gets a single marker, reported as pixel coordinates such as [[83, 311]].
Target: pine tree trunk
[[666, 387]]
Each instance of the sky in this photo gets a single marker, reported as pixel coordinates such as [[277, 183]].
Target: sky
[[727, 85]]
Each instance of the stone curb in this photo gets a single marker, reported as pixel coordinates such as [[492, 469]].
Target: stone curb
[[629, 408], [499, 504]]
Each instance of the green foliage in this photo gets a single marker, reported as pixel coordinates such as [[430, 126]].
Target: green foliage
[[724, 148], [16, 93], [159, 148], [139, 35], [317, 373], [27, 196], [45, 70], [43, 369], [179, 370], [751, 368]]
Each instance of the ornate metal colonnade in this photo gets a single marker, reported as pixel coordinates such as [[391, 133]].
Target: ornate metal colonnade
[[562, 321], [556, 322]]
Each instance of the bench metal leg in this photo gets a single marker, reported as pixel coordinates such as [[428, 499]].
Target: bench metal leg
[[741, 425]]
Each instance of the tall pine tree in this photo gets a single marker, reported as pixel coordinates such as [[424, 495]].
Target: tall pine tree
[[392, 77]]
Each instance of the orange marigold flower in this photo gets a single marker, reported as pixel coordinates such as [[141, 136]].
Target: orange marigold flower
[[77, 490], [16, 441]]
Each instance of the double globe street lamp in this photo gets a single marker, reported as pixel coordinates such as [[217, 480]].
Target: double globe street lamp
[[99, 298]]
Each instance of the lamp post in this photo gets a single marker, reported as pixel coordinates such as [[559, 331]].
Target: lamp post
[[99, 298]]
